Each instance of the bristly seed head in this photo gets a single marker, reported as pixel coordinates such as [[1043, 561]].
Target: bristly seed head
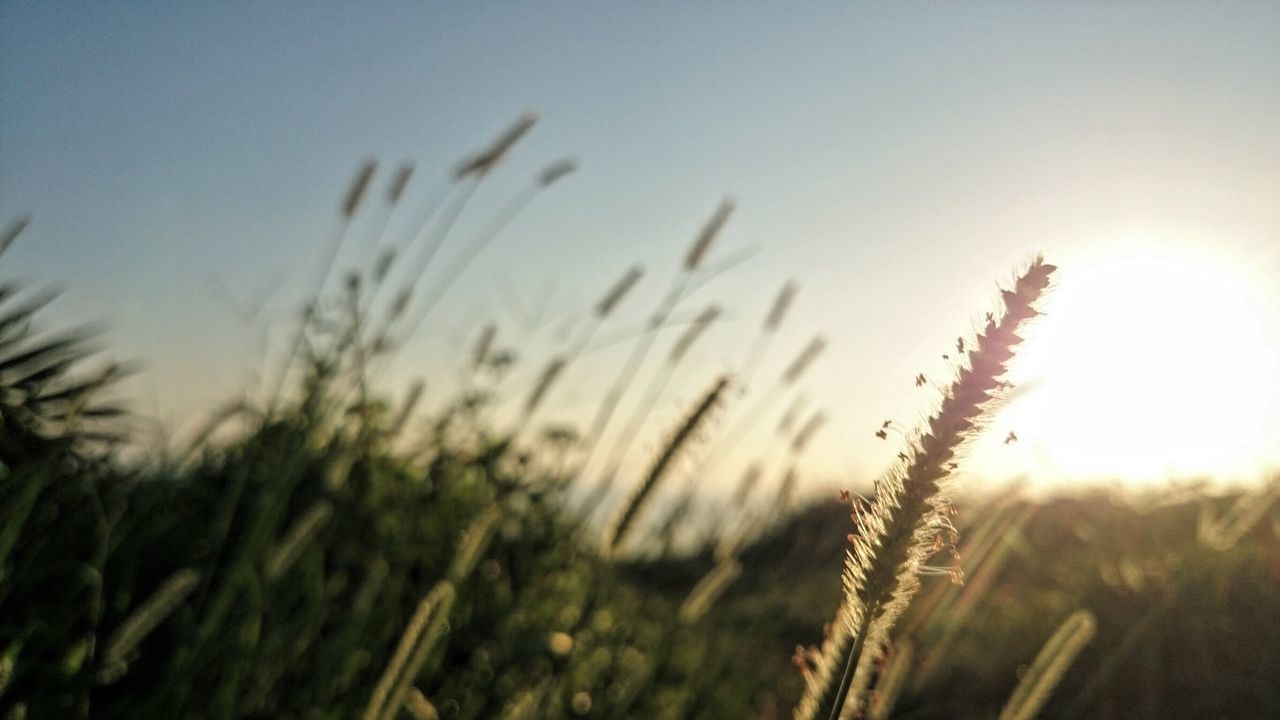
[[899, 530], [383, 266], [399, 182], [804, 360], [682, 437], [481, 163], [619, 291], [702, 244], [549, 375], [557, 170], [355, 194], [780, 306], [399, 304], [807, 431], [699, 325], [13, 230]]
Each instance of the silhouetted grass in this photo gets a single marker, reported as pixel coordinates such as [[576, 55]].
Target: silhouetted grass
[[339, 552]]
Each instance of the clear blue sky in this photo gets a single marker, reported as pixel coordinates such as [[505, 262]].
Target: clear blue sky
[[895, 158]]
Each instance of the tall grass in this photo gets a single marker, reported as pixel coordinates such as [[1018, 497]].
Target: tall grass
[[908, 519], [683, 436], [339, 551]]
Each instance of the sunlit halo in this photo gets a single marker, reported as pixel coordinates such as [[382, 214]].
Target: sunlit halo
[[1147, 366]]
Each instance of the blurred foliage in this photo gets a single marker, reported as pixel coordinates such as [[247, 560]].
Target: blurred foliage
[[274, 573]]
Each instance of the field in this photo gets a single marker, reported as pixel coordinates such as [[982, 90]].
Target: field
[[330, 552]]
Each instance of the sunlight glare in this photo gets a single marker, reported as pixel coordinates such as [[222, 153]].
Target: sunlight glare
[[1147, 366]]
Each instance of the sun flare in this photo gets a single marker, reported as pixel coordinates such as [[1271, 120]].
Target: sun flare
[[1145, 366]]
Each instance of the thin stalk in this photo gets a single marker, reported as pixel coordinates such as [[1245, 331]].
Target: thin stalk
[[435, 200], [855, 652], [313, 301], [656, 387], [463, 261], [626, 376]]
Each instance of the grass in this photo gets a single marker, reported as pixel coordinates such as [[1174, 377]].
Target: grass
[[338, 553]]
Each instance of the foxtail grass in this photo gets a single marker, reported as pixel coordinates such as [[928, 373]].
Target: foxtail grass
[[791, 416], [768, 330], [691, 335], [474, 542], [1224, 532], [702, 244], [644, 344], [382, 266], [796, 370], [545, 179], [1050, 664], [802, 362], [399, 182], [139, 624], [709, 589], [378, 265], [653, 394], [556, 170], [811, 427], [681, 439], [350, 205], [540, 389], [296, 539], [12, 231], [619, 291], [909, 517], [781, 304], [425, 628], [420, 707], [482, 162], [359, 186], [738, 527], [427, 229]]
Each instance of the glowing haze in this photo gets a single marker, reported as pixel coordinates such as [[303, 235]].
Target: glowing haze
[[182, 164]]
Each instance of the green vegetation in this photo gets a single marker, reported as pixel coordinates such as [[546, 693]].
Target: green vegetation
[[321, 556]]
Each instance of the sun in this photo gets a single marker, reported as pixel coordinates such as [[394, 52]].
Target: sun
[[1147, 365]]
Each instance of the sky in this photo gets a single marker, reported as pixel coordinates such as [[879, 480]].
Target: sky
[[896, 160]]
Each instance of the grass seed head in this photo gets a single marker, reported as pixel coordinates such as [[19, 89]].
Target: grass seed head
[[804, 360], [1050, 664], [481, 163], [709, 589], [781, 304], [691, 335], [619, 291], [807, 431], [702, 244], [359, 185], [681, 438], [399, 182], [896, 533], [557, 170], [139, 624], [548, 377], [12, 231], [383, 265]]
